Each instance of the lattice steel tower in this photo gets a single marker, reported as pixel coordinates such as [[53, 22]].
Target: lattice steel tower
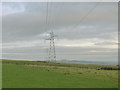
[[51, 51]]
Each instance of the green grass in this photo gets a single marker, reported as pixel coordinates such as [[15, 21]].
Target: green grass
[[51, 75]]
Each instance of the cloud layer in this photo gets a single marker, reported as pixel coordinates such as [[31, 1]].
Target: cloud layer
[[88, 30]]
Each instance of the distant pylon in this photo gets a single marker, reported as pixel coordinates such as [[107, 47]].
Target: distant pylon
[[51, 50]]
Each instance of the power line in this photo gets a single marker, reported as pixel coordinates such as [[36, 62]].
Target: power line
[[91, 10], [47, 14], [51, 50]]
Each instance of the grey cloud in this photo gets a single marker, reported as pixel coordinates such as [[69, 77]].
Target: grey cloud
[[76, 53], [106, 43], [30, 23], [66, 21]]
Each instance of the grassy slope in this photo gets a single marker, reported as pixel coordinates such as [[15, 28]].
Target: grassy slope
[[45, 76]]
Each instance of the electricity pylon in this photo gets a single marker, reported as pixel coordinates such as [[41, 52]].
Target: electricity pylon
[[51, 50]]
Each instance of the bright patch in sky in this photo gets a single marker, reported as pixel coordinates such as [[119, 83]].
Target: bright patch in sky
[[12, 8]]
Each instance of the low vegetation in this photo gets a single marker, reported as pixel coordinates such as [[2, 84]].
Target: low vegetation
[[29, 74]]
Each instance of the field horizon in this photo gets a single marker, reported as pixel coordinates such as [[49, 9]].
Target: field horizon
[[72, 61], [29, 74]]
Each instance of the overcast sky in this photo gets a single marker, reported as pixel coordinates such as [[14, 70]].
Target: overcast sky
[[85, 31]]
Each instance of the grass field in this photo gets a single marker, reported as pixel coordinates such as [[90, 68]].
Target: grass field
[[28, 74]]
